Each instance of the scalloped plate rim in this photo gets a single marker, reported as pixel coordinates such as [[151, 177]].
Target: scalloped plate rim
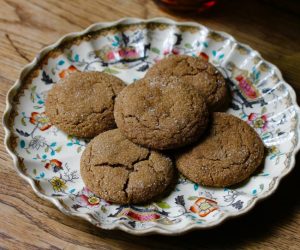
[[87, 216]]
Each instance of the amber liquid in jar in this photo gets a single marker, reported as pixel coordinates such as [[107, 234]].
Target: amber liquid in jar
[[186, 6]]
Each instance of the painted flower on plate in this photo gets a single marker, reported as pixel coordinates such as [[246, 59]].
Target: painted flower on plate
[[204, 206], [128, 53], [110, 56], [273, 150], [64, 73], [86, 198], [58, 184], [37, 142], [258, 121], [90, 200], [55, 164], [41, 120]]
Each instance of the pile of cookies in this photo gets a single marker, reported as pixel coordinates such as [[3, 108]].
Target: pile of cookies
[[168, 120]]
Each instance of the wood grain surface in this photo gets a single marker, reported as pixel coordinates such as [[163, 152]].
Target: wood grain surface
[[27, 222]]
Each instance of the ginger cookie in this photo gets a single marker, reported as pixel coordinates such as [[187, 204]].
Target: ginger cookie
[[82, 104], [120, 171], [161, 113], [229, 153], [198, 72]]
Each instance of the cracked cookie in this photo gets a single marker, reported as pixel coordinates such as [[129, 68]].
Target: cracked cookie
[[198, 72], [229, 153], [161, 113], [82, 104], [122, 172]]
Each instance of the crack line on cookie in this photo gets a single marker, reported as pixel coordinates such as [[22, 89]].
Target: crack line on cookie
[[146, 158], [114, 165], [125, 186]]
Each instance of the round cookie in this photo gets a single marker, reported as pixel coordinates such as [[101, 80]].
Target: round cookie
[[122, 172], [198, 72], [228, 154], [82, 104], [161, 113]]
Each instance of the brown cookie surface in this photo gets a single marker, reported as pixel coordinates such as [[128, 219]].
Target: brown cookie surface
[[229, 153], [82, 104], [161, 113], [198, 72], [122, 172]]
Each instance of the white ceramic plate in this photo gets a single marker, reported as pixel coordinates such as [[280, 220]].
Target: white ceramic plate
[[48, 159]]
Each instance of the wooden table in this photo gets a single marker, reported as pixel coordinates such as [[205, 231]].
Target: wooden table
[[27, 222]]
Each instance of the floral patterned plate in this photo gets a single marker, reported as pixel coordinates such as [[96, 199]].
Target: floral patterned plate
[[49, 159]]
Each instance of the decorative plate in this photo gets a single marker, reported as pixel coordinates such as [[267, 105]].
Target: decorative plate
[[48, 159]]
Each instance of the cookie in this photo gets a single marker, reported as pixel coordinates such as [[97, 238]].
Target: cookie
[[161, 113], [82, 104], [198, 72], [229, 153], [120, 171]]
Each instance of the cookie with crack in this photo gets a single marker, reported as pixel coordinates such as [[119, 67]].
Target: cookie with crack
[[161, 113], [198, 72], [82, 104], [122, 172], [229, 153]]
